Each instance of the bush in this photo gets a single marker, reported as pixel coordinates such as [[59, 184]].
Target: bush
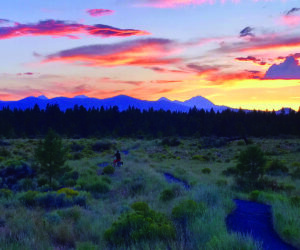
[[97, 187], [140, 225], [68, 191], [108, 170], [167, 195], [86, 246], [101, 146], [221, 183], [200, 158], [254, 195], [187, 210], [230, 171], [50, 200], [276, 167], [296, 173], [251, 166], [172, 142], [6, 193], [29, 198], [295, 201], [73, 213], [206, 170]]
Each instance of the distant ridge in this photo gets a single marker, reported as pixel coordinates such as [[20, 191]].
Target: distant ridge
[[122, 101]]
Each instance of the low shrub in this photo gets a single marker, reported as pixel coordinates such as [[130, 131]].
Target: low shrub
[[230, 171], [221, 182], [68, 191], [254, 195], [101, 146], [167, 194], [140, 225], [172, 142], [206, 171], [86, 246], [108, 170], [187, 210], [276, 167], [296, 173], [295, 201], [50, 200], [73, 213], [6, 193], [97, 187], [29, 198], [53, 217], [63, 234], [200, 158]]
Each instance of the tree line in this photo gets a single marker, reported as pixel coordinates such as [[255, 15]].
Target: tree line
[[81, 122]]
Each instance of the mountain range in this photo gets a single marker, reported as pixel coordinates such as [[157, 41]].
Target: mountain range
[[122, 101]]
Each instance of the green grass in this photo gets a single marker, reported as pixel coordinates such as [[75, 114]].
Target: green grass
[[141, 180]]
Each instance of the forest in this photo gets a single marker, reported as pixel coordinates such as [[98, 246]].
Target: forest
[[80, 122]]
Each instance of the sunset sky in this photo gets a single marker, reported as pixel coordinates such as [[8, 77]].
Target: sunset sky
[[237, 53]]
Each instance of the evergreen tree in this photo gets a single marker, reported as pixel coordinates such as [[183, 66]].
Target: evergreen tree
[[51, 156]]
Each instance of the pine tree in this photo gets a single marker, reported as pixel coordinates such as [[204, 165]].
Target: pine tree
[[51, 156]]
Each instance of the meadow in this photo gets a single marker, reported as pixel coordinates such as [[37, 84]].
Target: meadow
[[92, 205]]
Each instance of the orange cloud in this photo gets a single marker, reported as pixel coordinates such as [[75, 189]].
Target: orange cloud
[[143, 52]]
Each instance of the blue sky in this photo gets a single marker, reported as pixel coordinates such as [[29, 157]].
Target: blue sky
[[152, 48]]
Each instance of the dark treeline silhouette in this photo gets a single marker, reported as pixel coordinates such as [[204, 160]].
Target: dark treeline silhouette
[[80, 122]]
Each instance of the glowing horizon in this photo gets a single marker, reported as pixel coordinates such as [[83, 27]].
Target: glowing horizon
[[234, 53]]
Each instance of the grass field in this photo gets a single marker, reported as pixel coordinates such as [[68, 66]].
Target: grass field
[[35, 215]]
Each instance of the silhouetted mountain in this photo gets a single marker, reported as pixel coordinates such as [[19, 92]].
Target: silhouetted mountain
[[122, 101]]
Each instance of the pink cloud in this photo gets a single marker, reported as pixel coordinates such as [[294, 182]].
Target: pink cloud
[[58, 28], [99, 12], [290, 20]]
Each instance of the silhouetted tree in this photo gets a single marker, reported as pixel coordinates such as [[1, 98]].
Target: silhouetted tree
[[51, 156]]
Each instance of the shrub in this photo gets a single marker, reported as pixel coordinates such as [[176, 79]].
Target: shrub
[[296, 173], [63, 234], [101, 146], [254, 195], [6, 193], [251, 166], [172, 142], [200, 158], [140, 225], [230, 171], [29, 198], [221, 183], [206, 170], [276, 167], [108, 170], [73, 213], [68, 191], [53, 217], [167, 194], [86, 246], [97, 187], [76, 147], [187, 210], [295, 201]]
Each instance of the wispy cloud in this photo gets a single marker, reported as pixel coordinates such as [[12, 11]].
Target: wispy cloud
[[58, 28], [142, 52], [252, 59], [99, 12]]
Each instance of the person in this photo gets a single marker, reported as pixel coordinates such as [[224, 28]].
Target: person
[[118, 158]]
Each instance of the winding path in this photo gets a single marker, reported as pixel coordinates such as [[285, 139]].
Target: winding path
[[256, 219]]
